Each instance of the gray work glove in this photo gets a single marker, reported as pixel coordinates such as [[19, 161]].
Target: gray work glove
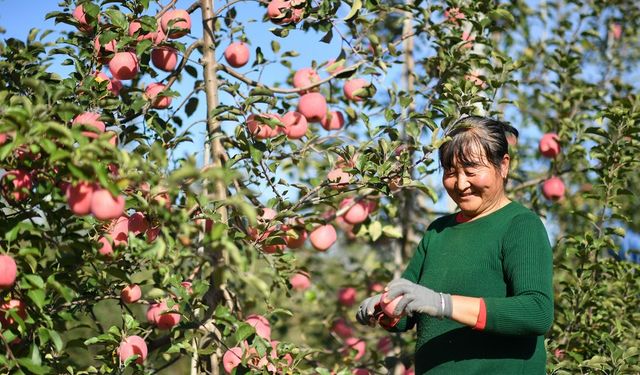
[[365, 314], [418, 299]]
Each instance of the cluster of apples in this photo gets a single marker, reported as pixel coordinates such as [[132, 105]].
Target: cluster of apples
[[117, 232], [553, 188], [125, 65], [312, 108], [84, 198], [281, 12], [234, 356]]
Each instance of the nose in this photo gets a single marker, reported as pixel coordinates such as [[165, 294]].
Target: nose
[[461, 182]]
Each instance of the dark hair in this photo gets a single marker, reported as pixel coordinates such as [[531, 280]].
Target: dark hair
[[475, 133]]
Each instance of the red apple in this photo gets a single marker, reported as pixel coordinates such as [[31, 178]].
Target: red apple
[[8, 271], [133, 345], [261, 324], [323, 237], [353, 86], [79, 197], [466, 36], [300, 232], [152, 234], [153, 93], [163, 316], [135, 26], [113, 85], [376, 287], [305, 77], [104, 206], [119, 230], [388, 307], [338, 178], [342, 328], [164, 58], [124, 65], [12, 304], [300, 281], [90, 120], [81, 17], [354, 343], [360, 371], [333, 121], [277, 11], [549, 145], [176, 23], [410, 371], [237, 54], [16, 185], [130, 293], [138, 223], [259, 128], [453, 15], [357, 213], [313, 106], [232, 358], [99, 48], [347, 296], [295, 125], [553, 189], [106, 249], [3, 138], [274, 352]]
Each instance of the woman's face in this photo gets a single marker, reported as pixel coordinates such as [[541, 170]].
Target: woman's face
[[478, 190]]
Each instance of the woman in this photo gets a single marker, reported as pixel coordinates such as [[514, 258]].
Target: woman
[[479, 286]]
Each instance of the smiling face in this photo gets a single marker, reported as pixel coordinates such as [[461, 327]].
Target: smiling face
[[476, 185]]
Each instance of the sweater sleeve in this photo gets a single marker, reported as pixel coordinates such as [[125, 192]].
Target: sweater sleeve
[[412, 273], [528, 270]]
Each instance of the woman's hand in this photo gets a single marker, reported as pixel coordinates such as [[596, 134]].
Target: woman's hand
[[365, 314], [418, 299]]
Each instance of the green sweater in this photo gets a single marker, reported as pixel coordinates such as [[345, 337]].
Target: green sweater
[[504, 258]]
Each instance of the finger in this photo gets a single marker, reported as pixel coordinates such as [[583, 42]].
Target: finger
[[371, 306], [402, 304], [397, 290], [398, 282]]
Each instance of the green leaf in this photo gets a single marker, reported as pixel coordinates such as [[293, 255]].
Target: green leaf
[[117, 18], [38, 297], [245, 330], [57, 340], [191, 106], [355, 7], [392, 231], [275, 46], [375, 230]]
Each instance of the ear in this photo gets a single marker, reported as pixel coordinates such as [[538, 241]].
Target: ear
[[504, 166]]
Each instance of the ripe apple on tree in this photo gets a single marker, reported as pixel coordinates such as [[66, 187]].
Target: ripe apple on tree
[[8, 271], [323, 236], [16, 185], [164, 58], [313, 106], [133, 345], [553, 189], [237, 54], [176, 23], [124, 65]]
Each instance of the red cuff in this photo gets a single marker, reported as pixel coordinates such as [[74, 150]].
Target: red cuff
[[482, 317]]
